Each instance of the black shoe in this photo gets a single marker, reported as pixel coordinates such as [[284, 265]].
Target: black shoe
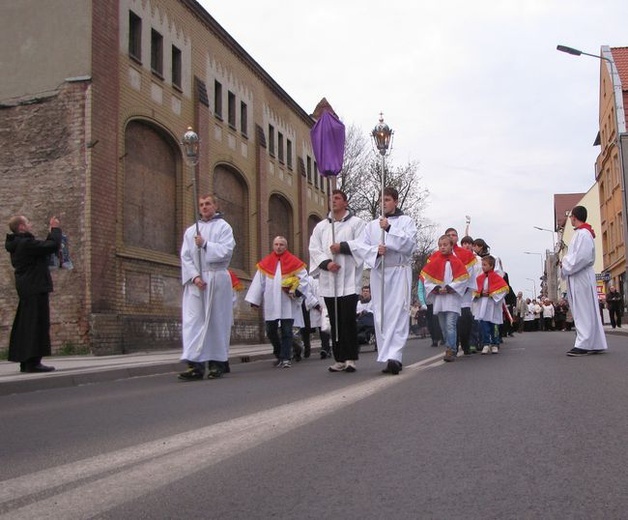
[[191, 374], [577, 352], [36, 368], [324, 354], [306, 353], [393, 367], [215, 371]]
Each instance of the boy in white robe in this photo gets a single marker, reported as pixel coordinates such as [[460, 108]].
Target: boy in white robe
[[207, 309], [488, 295], [280, 282], [336, 262], [446, 279], [577, 270], [394, 252]]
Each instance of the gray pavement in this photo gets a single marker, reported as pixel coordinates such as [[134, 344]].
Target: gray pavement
[[80, 370]]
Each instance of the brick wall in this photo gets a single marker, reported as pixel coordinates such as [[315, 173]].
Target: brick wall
[[43, 167]]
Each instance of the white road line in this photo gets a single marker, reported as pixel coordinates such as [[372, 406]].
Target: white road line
[[146, 467]]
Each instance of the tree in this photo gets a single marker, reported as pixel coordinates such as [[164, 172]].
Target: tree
[[361, 178]]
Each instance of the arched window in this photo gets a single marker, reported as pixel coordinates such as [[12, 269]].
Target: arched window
[[232, 194], [311, 224], [280, 218], [150, 189]]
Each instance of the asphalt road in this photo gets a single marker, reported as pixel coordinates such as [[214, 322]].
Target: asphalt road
[[527, 433]]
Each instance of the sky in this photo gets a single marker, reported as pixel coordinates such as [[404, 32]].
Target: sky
[[497, 119]]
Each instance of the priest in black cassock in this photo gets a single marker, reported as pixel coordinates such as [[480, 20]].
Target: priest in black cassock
[[30, 335]]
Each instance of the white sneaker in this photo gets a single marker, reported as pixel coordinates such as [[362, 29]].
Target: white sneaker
[[486, 349], [494, 349], [338, 367]]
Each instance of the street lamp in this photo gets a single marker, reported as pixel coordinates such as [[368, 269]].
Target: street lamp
[[382, 139], [533, 285], [191, 146], [621, 127], [553, 236]]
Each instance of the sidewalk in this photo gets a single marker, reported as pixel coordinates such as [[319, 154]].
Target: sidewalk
[[80, 370]]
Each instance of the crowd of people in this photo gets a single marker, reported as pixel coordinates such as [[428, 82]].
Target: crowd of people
[[463, 300]]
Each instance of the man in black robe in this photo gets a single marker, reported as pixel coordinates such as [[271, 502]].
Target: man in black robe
[[30, 335]]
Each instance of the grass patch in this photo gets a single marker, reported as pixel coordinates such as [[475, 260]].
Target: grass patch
[[70, 349]]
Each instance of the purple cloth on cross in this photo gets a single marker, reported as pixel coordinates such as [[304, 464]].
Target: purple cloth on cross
[[328, 142]]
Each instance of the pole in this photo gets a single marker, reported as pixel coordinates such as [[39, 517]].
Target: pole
[[383, 266], [333, 257]]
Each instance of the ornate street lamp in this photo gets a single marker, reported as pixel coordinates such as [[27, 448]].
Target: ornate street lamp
[[382, 139], [191, 146]]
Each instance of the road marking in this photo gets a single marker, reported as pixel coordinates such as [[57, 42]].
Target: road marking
[[123, 475]]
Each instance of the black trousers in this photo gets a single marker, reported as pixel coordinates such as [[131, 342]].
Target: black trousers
[[464, 324], [346, 348]]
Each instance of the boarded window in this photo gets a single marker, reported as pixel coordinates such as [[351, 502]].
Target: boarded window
[[232, 195], [150, 189], [280, 216]]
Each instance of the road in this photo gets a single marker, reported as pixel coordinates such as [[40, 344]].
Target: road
[[527, 433]]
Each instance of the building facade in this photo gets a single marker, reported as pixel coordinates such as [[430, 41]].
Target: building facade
[[610, 167], [91, 119]]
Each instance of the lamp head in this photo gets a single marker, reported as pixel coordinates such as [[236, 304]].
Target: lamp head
[[191, 146], [382, 136], [568, 50]]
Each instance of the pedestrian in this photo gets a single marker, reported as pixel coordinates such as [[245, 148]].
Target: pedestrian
[[560, 315], [313, 320], [207, 305], [470, 261], [519, 312], [30, 335], [336, 262], [389, 242], [280, 282], [446, 279], [548, 312], [615, 304], [577, 270], [488, 296]]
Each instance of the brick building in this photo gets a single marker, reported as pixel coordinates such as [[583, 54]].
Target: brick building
[[97, 97]]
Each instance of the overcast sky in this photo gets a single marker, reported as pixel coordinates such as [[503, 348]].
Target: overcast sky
[[475, 91]]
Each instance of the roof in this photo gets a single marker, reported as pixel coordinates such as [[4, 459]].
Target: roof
[[620, 57], [563, 204]]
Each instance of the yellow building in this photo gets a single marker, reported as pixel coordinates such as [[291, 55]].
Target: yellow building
[[610, 166]]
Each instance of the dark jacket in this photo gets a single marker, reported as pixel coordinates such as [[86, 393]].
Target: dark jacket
[[29, 258]]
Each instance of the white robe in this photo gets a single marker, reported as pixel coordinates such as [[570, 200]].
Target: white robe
[[449, 302], [392, 333], [577, 269], [207, 315], [277, 303], [489, 308], [348, 280]]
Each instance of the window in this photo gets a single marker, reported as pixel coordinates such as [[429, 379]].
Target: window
[[280, 147], [309, 169], [244, 119], [271, 140], [218, 100], [289, 153], [231, 109], [157, 53], [135, 36], [176, 67]]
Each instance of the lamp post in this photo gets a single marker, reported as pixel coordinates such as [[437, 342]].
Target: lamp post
[[620, 123], [542, 265], [553, 235], [382, 139], [533, 285], [191, 145]]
